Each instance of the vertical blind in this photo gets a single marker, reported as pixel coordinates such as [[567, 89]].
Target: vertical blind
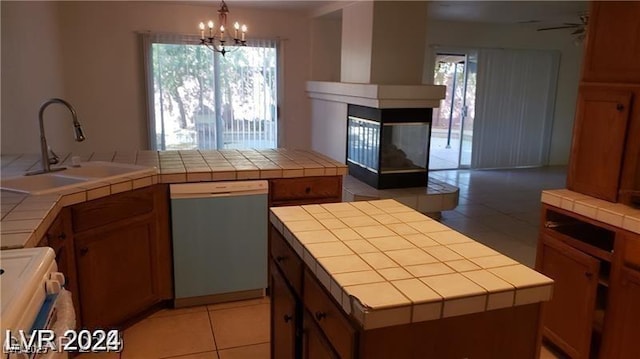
[[514, 107], [200, 99]]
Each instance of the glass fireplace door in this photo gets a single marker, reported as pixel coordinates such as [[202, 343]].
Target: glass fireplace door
[[404, 147]]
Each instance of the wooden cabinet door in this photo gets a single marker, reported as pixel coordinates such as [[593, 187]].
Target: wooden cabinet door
[[284, 318], [315, 345], [568, 316], [613, 44], [623, 330], [116, 271], [598, 143], [59, 237]]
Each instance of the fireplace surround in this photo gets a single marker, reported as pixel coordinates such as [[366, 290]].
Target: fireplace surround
[[389, 148]]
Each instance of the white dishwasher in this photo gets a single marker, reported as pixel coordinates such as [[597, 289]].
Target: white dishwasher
[[219, 241]]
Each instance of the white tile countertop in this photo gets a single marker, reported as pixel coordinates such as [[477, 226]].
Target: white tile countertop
[[25, 218], [388, 264], [200, 165], [615, 214]]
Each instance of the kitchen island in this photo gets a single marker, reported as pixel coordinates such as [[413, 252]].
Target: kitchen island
[[380, 280]]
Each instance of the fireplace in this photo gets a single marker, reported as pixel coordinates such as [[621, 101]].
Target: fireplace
[[389, 148]]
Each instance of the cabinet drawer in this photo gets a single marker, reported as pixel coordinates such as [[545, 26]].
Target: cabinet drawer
[[111, 209], [287, 260], [329, 317], [289, 189]]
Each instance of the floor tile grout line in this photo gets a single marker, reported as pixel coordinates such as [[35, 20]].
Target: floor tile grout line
[[185, 355], [234, 307], [245, 345], [213, 334]]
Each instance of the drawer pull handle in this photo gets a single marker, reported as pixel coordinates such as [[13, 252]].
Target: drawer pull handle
[[287, 318], [280, 259], [320, 315], [307, 190], [588, 274], [84, 251], [620, 107], [62, 236]]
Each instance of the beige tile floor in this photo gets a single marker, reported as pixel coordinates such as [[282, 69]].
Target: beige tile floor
[[238, 330], [498, 208]]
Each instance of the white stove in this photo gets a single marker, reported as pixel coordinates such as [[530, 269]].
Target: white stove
[[30, 286]]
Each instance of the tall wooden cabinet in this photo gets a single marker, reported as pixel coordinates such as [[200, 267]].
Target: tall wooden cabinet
[[612, 49], [606, 136]]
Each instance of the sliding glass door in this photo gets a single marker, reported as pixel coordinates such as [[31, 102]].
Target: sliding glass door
[[452, 132]]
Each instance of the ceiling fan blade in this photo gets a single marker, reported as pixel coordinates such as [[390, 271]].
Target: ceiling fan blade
[[578, 31], [556, 28]]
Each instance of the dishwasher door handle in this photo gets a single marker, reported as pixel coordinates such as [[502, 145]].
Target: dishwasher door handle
[[216, 194]]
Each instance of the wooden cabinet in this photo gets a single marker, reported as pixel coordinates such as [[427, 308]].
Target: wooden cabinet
[[594, 311], [305, 190], [568, 317], [599, 134], [605, 153], [627, 314], [315, 346], [123, 257], [59, 237], [613, 47], [285, 313], [329, 317], [305, 322], [625, 296]]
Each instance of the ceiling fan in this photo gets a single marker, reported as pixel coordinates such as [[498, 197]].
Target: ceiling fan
[[580, 28]]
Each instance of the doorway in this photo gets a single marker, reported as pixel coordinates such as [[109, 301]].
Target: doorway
[[452, 131]]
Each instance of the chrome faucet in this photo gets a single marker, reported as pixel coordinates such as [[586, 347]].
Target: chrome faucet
[[44, 149]]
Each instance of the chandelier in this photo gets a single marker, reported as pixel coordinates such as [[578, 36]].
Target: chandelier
[[218, 38]]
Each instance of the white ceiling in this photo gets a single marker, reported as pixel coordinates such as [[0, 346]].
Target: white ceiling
[[542, 12], [545, 13]]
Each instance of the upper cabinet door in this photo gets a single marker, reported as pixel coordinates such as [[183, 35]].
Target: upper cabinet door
[[598, 144], [613, 42]]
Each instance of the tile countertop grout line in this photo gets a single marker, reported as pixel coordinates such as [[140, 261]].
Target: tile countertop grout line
[[81, 194], [495, 286]]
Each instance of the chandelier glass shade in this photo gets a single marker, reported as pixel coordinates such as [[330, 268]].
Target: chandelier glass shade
[[218, 37]]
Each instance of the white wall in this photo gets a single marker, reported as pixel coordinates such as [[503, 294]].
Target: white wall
[[329, 129], [326, 33], [475, 35], [101, 71], [31, 73]]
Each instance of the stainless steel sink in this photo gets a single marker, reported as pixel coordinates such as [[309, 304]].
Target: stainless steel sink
[[86, 173], [40, 184]]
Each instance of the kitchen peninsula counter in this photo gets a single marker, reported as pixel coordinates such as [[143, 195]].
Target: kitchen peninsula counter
[[26, 218], [405, 284]]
